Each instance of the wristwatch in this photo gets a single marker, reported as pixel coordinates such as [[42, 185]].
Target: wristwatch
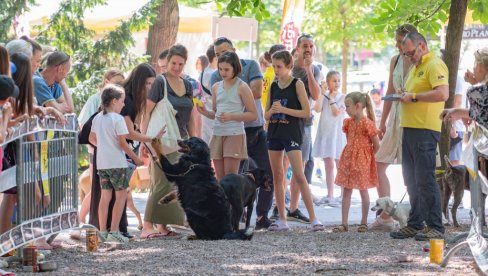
[[414, 98]]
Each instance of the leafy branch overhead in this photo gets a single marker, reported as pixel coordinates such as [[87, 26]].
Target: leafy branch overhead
[[9, 9], [427, 16]]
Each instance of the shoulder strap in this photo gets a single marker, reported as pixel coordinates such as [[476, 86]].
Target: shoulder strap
[[165, 87], [396, 61], [203, 86]]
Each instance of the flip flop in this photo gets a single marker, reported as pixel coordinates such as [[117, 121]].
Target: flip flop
[[170, 233], [152, 236]]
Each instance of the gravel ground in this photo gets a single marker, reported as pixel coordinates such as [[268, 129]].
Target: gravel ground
[[297, 252]]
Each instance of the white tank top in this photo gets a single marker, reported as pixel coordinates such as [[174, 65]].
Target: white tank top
[[228, 101]]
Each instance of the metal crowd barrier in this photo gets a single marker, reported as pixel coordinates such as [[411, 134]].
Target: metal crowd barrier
[[46, 178], [478, 182]]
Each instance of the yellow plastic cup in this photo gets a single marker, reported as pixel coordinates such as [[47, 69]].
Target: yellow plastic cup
[[436, 250]]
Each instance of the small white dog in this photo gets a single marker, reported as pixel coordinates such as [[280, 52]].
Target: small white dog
[[397, 211]]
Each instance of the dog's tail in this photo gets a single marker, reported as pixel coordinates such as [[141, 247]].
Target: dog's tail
[[245, 235]]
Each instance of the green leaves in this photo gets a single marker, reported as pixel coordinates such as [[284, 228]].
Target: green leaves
[[255, 8], [9, 9]]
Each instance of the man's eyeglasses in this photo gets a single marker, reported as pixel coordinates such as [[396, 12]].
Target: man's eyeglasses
[[411, 53]]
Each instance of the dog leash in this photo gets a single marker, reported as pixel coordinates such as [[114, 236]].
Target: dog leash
[[156, 161], [403, 197]]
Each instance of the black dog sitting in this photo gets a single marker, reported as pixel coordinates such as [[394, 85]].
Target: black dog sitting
[[202, 198], [241, 192]]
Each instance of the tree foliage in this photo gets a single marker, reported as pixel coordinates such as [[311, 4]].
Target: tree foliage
[[66, 31], [9, 9]]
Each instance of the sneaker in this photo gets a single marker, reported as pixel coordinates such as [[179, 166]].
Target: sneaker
[[322, 201], [103, 236], [335, 202], [405, 233], [128, 235], [263, 223], [297, 216], [117, 237], [275, 215], [430, 233], [382, 225]]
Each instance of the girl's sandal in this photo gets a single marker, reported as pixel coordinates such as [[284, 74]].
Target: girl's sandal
[[363, 228], [340, 229]]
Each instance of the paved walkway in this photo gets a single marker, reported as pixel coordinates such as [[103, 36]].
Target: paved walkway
[[330, 215]]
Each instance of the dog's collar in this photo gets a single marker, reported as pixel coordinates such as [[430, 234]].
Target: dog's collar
[[392, 213], [192, 166], [250, 175]]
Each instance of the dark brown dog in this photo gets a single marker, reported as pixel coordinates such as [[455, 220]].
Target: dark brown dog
[[455, 181], [241, 192]]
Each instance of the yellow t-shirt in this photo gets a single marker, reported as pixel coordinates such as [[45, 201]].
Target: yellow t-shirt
[[431, 73], [268, 78]]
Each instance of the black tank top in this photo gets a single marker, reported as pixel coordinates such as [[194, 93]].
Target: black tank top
[[282, 126]]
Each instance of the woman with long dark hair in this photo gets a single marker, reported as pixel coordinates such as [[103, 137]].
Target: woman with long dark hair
[[136, 87]]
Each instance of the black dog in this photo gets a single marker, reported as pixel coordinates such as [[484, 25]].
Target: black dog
[[202, 198], [241, 192]]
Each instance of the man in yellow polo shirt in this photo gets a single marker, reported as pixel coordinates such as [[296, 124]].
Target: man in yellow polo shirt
[[426, 91]]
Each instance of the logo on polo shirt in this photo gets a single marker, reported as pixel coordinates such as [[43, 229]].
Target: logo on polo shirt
[[441, 77], [421, 73]]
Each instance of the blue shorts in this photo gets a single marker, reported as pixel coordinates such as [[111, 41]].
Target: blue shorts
[[282, 144]]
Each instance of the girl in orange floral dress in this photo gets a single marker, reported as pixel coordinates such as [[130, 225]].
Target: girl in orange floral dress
[[357, 166]]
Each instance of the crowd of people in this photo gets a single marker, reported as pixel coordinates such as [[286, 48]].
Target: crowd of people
[[247, 109]]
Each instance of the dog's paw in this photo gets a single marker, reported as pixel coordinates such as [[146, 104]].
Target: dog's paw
[[157, 146], [171, 197]]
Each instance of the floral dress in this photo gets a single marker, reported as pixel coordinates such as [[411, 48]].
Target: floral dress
[[478, 101], [357, 166]]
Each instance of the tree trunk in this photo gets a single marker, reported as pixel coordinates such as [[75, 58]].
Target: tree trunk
[[454, 35], [345, 62], [162, 34]]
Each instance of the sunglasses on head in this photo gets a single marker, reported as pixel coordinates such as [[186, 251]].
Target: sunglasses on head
[[63, 61]]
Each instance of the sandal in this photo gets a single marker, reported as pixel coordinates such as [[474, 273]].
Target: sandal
[[278, 226], [317, 226], [363, 228], [152, 236], [171, 233], [340, 229]]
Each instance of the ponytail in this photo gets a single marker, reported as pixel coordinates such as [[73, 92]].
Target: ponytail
[[369, 107], [365, 101]]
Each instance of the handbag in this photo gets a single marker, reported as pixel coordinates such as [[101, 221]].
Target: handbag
[[85, 131], [162, 115]]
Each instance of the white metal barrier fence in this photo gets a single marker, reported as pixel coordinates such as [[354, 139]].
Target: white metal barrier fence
[[44, 174]]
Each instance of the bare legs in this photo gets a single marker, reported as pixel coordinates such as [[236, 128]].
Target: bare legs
[[346, 204], [225, 166], [329, 176]]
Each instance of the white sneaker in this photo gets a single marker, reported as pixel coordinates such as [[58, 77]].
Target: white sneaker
[[117, 237], [382, 225], [334, 202]]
